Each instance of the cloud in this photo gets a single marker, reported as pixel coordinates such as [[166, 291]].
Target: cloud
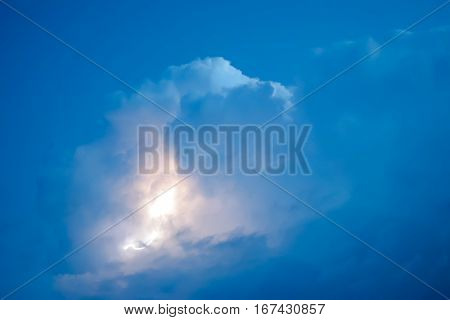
[[379, 162], [198, 215], [208, 76]]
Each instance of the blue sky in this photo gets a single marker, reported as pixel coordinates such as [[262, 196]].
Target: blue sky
[[379, 147]]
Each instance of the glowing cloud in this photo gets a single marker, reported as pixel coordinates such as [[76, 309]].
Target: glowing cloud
[[199, 212]]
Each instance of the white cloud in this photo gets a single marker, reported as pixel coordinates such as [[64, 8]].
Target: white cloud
[[201, 210], [208, 76]]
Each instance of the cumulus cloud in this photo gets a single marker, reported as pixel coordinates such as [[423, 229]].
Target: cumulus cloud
[[198, 214]]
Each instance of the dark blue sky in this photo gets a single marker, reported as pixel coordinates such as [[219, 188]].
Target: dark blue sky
[[379, 150]]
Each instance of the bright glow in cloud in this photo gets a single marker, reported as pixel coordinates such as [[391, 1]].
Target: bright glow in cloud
[[164, 205], [159, 213]]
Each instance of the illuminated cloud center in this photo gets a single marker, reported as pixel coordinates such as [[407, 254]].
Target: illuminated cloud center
[[159, 212]]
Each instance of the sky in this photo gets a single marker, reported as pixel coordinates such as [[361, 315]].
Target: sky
[[378, 149]]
